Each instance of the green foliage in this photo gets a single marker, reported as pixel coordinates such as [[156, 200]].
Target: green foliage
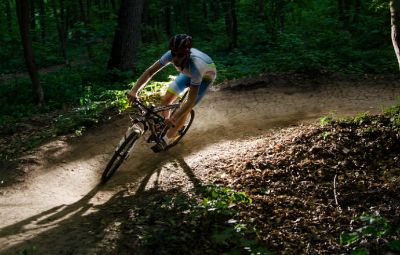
[[394, 245], [360, 118], [394, 114], [325, 120], [30, 251], [210, 217], [360, 251], [326, 135], [91, 110], [372, 227], [348, 238], [311, 39], [328, 119]]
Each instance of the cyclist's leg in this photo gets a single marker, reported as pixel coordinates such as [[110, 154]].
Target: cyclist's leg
[[173, 132], [205, 84], [174, 89]]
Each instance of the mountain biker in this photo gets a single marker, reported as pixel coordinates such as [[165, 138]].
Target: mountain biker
[[197, 73]]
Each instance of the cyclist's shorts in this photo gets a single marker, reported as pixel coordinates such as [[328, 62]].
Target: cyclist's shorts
[[182, 82]]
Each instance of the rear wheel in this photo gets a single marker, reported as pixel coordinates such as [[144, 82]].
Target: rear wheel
[[182, 131], [119, 156]]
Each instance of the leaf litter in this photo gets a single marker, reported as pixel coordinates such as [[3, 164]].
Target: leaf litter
[[308, 187]]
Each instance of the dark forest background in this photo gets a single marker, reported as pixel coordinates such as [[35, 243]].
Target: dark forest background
[[83, 54]]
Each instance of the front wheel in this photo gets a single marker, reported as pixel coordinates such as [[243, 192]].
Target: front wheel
[[120, 154], [182, 131]]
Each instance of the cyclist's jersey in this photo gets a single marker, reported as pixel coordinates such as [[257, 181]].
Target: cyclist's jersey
[[199, 67]]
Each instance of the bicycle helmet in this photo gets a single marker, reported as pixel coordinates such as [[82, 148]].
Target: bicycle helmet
[[180, 42]]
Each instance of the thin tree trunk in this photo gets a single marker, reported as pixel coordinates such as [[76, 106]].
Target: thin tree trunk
[[340, 10], [42, 11], [23, 20], [167, 21], [113, 5], [61, 28], [347, 12], [205, 10], [261, 9], [357, 11], [8, 16], [281, 15], [394, 29], [88, 8], [231, 23], [215, 7], [33, 20], [145, 14], [127, 36], [86, 23], [186, 13]]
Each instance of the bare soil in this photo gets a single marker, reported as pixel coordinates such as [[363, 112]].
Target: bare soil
[[57, 207]]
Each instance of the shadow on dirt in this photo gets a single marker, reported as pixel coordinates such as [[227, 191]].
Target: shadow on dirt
[[82, 226]]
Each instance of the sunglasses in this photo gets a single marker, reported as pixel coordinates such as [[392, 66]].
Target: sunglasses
[[178, 54]]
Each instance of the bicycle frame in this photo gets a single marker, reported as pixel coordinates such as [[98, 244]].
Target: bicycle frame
[[151, 120]]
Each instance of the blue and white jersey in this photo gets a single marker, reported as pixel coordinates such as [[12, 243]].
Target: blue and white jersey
[[199, 67]]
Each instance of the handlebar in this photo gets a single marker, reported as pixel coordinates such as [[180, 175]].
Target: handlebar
[[153, 109]]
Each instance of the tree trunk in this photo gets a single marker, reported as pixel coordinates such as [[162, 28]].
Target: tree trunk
[[231, 23], [8, 16], [167, 21], [145, 14], [42, 12], [86, 35], [205, 10], [61, 28], [113, 5], [186, 15], [261, 9], [127, 36], [33, 20], [394, 29], [357, 11], [281, 15], [215, 9], [88, 8], [22, 7], [340, 10], [344, 7]]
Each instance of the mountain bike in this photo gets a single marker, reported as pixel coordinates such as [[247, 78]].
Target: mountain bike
[[143, 119]]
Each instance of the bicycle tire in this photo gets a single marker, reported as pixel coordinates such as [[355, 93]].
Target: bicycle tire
[[182, 131], [118, 157]]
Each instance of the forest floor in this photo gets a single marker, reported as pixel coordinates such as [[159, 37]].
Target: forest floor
[[262, 174]]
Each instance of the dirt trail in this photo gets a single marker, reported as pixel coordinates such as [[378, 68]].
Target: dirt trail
[[62, 183]]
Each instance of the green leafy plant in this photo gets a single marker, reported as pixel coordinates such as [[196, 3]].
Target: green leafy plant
[[326, 135], [222, 199], [394, 114], [325, 120], [360, 118], [372, 227], [213, 212]]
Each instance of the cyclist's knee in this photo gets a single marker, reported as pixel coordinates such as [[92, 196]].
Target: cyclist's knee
[[168, 98]]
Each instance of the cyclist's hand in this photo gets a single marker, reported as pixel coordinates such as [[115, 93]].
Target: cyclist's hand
[[131, 97]]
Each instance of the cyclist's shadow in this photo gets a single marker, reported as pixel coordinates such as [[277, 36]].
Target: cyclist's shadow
[[178, 162], [65, 215]]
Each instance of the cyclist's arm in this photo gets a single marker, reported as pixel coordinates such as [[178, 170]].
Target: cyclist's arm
[[188, 104], [145, 77]]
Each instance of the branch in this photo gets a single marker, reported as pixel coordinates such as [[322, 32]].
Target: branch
[[334, 192]]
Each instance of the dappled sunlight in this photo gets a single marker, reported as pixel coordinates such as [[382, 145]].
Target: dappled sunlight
[[63, 191]]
